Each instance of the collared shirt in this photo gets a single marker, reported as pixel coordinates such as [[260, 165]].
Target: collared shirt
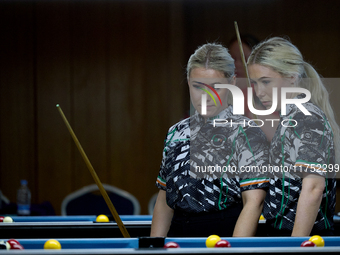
[[202, 163], [302, 144]]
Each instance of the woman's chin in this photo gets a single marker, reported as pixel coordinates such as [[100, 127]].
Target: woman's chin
[[209, 114]]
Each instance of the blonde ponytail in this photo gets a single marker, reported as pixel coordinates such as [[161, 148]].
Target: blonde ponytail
[[320, 97]]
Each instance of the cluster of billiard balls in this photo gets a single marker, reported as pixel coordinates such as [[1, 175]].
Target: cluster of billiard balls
[[313, 242], [13, 244], [216, 241], [6, 219], [49, 244], [211, 242]]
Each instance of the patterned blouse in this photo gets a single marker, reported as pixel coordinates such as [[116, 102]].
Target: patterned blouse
[[302, 145], [207, 164]]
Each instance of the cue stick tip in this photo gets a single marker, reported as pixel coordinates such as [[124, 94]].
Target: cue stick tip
[[57, 105]]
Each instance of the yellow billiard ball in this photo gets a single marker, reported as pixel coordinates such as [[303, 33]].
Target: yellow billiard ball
[[102, 218], [318, 240], [212, 240], [52, 244]]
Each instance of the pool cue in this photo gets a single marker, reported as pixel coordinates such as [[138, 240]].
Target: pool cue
[[244, 63], [95, 177]]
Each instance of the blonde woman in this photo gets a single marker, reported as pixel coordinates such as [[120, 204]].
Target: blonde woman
[[301, 199], [202, 203]]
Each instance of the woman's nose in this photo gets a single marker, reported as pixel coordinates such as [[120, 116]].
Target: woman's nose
[[208, 97], [259, 90]]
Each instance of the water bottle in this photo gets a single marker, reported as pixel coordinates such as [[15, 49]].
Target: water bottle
[[24, 199]]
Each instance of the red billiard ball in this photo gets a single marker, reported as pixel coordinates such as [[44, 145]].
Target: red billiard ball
[[15, 245], [171, 245], [12, 242], [2, 218], [308, 243], [222, 243]]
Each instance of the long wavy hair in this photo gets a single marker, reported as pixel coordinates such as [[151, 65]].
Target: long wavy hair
[[283, 57]]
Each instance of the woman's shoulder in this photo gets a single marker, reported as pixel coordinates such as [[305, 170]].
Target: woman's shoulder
[[180, 125], [316, 120], [179, 131], [304, 110], [315, 114]]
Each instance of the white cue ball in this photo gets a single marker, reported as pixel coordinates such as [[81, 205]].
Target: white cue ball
[[8, 246], [8, 219]]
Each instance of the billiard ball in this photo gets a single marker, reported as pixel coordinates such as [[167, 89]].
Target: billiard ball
[[222, 243], [52, 244], [171, 245], [10, 241], [8, 219], [2, 218], [102, 218], [8, 246], [14, 244], [17, 247], [307, 243], [212, 240], [318, 240]]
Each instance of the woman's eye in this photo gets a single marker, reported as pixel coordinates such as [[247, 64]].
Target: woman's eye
[[265, 82], [196, 86]]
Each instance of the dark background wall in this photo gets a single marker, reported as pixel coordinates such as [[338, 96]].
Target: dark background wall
[[117, 68]]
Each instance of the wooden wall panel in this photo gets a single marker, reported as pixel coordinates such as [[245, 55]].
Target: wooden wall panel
[[53, 86], [88, 42], [128, 96], [17, 98], [145, 95]]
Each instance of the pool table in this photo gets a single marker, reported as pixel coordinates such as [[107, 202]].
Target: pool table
[[86, 227], [73, 227], [257, 245]]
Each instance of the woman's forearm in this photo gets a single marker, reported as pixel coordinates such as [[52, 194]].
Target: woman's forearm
[[308, 205], [162, 216]]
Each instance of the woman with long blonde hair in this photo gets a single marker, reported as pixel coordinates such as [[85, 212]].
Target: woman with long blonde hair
[[301, 197], [198, 203]]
